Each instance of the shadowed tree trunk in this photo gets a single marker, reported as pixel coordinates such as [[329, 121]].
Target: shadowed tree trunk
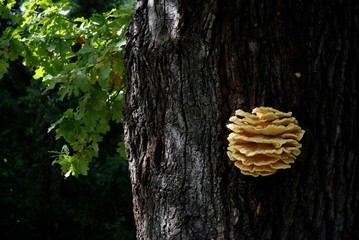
[[191, 64]]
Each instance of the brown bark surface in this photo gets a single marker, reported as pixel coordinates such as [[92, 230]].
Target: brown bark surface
[[191, 64]]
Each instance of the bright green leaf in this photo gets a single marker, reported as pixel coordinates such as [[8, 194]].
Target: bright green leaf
[[80, 19], [90, 75], [39, 73]]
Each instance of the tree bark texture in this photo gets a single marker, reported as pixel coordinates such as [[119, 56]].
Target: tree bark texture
[[191, 64]]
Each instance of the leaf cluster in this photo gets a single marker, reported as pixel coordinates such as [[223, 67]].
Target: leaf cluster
[[81, 59], [35, 198]]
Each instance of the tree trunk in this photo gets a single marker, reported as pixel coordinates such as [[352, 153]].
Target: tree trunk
[[191, 64]]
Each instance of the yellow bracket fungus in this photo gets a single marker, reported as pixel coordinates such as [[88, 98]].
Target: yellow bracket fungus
[[263, 141]]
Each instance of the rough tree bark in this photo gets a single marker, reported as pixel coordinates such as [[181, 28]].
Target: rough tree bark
[[191, 64]]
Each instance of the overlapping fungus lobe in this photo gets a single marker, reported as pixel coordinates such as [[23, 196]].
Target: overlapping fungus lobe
[[263, 141]]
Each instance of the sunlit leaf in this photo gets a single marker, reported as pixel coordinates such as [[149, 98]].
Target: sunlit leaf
[[80, 59], [80, 19], [39, 73]]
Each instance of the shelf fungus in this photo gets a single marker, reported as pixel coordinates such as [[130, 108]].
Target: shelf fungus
[[263, 141]]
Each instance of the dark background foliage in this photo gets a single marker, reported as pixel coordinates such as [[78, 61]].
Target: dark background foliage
[[36, 202]]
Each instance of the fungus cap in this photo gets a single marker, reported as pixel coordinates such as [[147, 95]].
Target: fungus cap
[[263, 141]]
